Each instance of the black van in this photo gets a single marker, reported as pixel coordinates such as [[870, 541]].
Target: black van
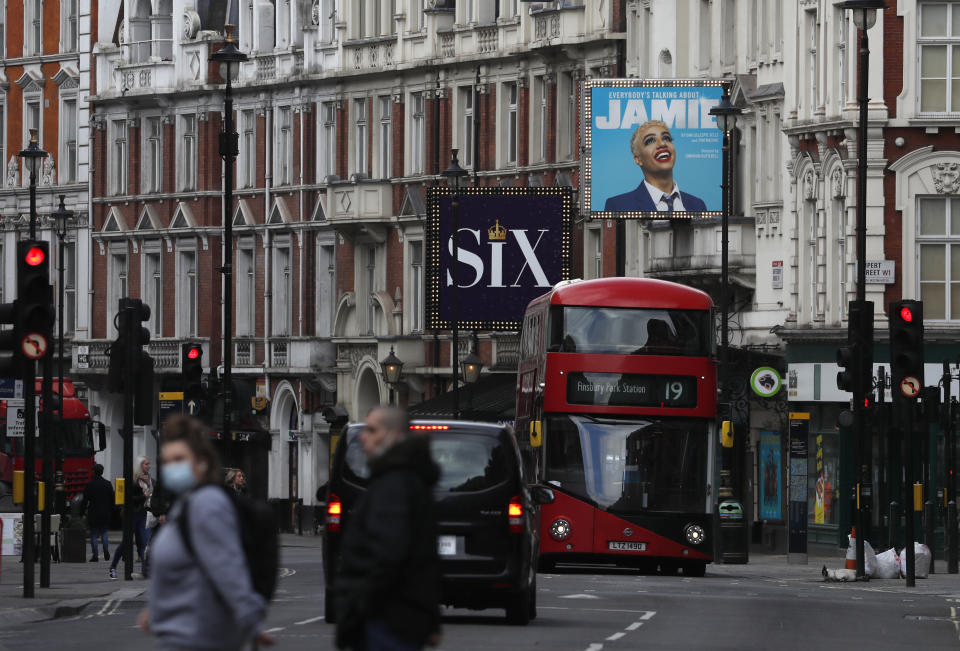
[[488, 520]]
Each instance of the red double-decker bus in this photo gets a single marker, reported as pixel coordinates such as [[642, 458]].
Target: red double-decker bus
[[616, 409]]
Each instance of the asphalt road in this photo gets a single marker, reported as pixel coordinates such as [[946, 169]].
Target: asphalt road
[[589, 609]]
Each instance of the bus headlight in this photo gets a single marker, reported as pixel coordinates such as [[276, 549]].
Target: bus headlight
[[694, 533], [560, 529]]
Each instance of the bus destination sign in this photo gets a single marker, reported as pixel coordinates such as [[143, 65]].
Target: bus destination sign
[[631, 390]]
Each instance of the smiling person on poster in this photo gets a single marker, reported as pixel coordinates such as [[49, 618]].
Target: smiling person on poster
[[654, 153]]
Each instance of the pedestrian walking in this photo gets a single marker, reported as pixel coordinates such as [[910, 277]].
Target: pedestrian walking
[[98, 504], [201, 596], [236, 481], [135, 499], [388, 583], [144, 520]]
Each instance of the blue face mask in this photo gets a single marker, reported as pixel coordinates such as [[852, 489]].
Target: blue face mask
[[178, 477]]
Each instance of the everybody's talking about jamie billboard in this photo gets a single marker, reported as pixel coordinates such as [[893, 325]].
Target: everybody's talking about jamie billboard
[[513, 245], [653, 149]]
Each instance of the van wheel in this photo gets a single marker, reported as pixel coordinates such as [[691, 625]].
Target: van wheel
[[695, 569], [329, 616], [518, 607]]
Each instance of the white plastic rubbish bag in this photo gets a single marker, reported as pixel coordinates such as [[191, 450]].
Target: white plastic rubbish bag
[[888, 564], [921, 563], [869, 556]]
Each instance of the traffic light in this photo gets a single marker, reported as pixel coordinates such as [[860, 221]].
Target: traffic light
[[906, 349], [143, 363], [191, 372], [10, 358], [35, 315], [856, 358]]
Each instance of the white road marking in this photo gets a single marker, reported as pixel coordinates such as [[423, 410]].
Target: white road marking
[[579, 596], [275, 630], [594, 647], [615, 637], [103, 611], [634, 626], [596, 610], [113, 610], [648, 615], [308, 621]]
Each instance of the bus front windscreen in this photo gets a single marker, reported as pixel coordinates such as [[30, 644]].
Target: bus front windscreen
[[630, 331], [629, 467]]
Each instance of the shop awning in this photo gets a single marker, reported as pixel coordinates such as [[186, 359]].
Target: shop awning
[[490, 399]]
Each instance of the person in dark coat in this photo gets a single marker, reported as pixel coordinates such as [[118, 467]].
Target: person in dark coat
[[98, 503], [388, 583]]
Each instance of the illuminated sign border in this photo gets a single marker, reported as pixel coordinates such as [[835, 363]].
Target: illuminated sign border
[[432, 263], [586, 163]]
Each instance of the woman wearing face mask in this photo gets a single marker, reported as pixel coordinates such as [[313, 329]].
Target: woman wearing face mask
[[202, 599]]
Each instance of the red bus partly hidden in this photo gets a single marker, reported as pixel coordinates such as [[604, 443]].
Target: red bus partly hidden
[[616, 408], [74, 441]]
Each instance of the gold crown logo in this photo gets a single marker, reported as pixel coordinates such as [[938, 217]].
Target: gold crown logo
[[497, 232]]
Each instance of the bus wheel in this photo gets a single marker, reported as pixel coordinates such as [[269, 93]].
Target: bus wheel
[[695, 569], [669, 569]]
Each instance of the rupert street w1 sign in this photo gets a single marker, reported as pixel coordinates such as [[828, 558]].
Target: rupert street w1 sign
[[513, 245]]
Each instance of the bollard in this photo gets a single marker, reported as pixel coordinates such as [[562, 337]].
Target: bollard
[[929, 522], [952, 537], [893, 524]]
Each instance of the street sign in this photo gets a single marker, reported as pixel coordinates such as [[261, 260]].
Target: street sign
[[11, 388], [34, 345], [193, 407], [170, 402], [910, 386], [765, 382], [83, 356], [16, 423]]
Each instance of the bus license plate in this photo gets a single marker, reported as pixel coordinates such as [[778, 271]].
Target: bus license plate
[[447, 545], [626, 546]]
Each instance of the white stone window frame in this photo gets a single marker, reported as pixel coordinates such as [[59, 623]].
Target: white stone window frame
[[187, 323], [384, 139], [326, 310], [281, 242], [567, 115], [246, 301], [187, 175], [66, 18], [364, 288], [948, 241], [63, 166], [510, 131], [463, 128], [911, 29], [118, 281], [593, 251], [69, 290], [360, 134], [247, 168], [414, 297], [118, 174], [31, 47], [283, 141], [416, 136], [539, 119], [152, 247], [326, 138], [151, 169]]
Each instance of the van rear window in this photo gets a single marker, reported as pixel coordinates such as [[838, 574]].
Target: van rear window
[[467, 462]]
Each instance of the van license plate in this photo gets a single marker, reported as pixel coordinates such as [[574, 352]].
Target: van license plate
[[447, 545], [626, 546]]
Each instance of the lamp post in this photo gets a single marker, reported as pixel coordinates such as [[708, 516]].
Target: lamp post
[[864, 17], [453, 174], [472, 365], [32, 155], [726, 114], [61, 219], [228, 56], [392, 367]]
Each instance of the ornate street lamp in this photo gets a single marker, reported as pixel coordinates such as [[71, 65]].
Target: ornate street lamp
[[472, 364], [392, 368], [228, 56], [864, 17], [32, 156], [61, 221], [453, 174]]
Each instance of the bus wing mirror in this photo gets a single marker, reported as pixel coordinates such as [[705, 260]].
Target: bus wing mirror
[[101, 436], [542, 495]]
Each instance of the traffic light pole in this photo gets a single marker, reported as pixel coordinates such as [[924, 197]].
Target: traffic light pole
[[228, 151], [129, 362], [29, 475], [47, 436]]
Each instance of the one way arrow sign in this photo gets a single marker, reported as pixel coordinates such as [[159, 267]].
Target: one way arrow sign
[[192, 408]]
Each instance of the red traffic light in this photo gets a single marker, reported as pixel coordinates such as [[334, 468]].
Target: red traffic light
[[194, 353], [906, 314], [35, 256]]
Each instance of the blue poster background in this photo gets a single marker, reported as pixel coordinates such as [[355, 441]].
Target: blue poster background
[[697, 139], [770, 476], [497, 278]]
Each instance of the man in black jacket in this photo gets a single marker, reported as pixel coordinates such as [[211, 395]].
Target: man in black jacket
[[388, 584], [98, 503]]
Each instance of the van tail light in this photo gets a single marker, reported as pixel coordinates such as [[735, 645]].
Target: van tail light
[[515, 515], [333, 513]]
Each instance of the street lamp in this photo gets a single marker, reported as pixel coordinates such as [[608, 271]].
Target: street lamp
[[392, 367], [453, 174], [61, 219], [228, 56], [472, 365], [32, 155], [864, 17]]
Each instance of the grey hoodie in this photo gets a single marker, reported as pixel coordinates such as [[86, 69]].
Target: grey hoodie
[[204, 601]]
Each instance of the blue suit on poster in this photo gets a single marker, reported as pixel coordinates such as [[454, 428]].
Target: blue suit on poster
[[639, 200]]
